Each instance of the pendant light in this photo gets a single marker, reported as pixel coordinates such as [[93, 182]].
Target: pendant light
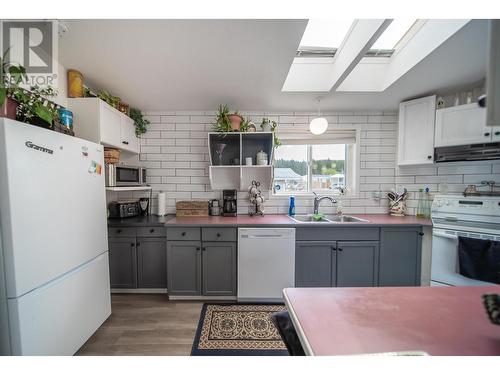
[[319, 124]]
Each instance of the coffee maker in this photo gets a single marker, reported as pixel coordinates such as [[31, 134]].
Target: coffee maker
[[229, 198]]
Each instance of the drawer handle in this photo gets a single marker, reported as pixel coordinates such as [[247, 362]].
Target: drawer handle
[[429, 157], [151, 231], [203, 248], [119, 231], [183, 234], [334, 248], [138, 244], [340, 249], [198, 249], [420, 233], [218, 234], [132, 244], [486, 134], [125, 142]]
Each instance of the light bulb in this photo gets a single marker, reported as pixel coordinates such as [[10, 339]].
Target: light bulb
[[318, 125]]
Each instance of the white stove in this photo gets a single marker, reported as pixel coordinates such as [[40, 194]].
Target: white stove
[[456, 216]]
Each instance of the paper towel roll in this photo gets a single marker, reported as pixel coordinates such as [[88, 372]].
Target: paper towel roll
[[162, 203]]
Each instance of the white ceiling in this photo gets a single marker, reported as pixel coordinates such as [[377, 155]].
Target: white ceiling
[[198, 64]]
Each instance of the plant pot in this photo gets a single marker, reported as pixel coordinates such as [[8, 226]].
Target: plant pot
[[266, 127], [236, 121], [8, 109], [37, 121]]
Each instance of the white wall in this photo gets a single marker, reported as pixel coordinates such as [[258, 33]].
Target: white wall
[[175, 152]]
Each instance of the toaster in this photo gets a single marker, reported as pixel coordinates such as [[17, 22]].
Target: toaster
[[122, 209]]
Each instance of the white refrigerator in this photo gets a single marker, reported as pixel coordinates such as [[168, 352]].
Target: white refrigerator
[[54, 275]]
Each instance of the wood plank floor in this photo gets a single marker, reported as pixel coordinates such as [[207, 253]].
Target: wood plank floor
[[145, 324]]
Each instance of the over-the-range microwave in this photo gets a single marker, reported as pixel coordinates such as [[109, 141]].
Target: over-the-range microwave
[[124, 175]]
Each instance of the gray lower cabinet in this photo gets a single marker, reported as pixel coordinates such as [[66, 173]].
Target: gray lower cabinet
[[137, 257], [400, 256], [315, 263], [357, 263], [151, 262], [336, 263], [123, 262], [219, 268], [184, 267], [201, 261]]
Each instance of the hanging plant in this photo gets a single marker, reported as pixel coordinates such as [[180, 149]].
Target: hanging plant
[[139, 121], [270, 126]]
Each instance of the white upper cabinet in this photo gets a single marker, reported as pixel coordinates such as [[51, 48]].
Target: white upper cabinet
[[109, 122], [98, 122], [416, 131], [493, 76], [462, 125], [128, 139]]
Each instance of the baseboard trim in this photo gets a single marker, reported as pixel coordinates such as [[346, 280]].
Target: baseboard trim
[[140, 291], [202, 298]]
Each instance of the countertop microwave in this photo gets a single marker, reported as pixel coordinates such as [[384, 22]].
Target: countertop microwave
[[124, 175]]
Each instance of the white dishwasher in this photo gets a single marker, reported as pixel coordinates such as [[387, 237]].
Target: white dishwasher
[[266, 263]]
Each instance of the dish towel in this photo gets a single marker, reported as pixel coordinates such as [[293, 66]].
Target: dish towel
[[479, 259]]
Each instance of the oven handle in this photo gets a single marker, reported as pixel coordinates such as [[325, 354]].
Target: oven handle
[[450, 236]]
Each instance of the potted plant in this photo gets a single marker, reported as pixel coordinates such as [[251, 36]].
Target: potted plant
[[34, 106], [10, 77], [113, 101], [225, 121], [139, 121]]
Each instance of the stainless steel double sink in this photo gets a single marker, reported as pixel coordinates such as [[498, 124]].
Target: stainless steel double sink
[[327, 219]]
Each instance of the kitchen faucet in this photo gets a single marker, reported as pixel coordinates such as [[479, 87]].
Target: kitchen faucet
[[318, 199]]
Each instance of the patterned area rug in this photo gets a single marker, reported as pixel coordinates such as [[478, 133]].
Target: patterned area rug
[[238, 329]]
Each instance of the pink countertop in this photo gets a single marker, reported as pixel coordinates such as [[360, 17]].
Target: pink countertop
[[285, 220], [435, 320], [233, 221]]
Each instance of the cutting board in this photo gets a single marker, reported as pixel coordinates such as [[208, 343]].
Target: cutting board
[[191, 208]]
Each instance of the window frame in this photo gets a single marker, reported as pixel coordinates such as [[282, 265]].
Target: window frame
[[352, 170]]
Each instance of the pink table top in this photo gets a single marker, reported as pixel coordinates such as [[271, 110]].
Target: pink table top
[[436, 320], [285, 220]]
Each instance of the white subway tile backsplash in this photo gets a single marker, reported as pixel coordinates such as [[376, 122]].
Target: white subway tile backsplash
[[174, 150]]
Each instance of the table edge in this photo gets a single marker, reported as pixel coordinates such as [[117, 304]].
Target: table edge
[[295, 320]]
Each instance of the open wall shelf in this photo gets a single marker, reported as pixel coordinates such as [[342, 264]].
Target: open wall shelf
[[228, 169]]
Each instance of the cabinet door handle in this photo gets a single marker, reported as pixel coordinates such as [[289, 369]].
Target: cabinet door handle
[[334, 248], [198, 249], [132, 244], [429, 157], [218, 234], [119, 231], [420, 233], [203, 248], [151, 231], [340, 249], [125, 142], [138, 244], [497, 133], [486, 134], [183, 234]]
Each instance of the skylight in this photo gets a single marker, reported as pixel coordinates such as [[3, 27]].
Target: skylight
[[325, 34], [393, 34]]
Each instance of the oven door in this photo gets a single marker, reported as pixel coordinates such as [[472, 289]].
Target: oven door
[[128, 176], [444, 261]]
